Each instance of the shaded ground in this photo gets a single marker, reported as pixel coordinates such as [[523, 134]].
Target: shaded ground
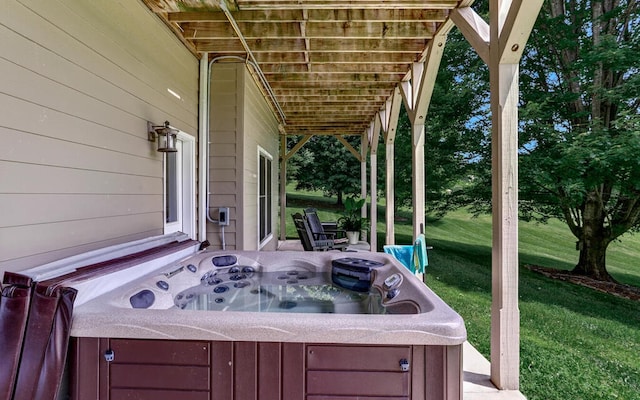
[[616, 289]]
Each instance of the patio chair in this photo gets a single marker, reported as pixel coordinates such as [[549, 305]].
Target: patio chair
[[324, 230], [309, 242]]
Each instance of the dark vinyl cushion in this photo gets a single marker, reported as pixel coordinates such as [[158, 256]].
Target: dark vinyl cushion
[[14, 308]]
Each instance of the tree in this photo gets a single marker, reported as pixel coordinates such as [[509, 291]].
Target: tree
[[581, 126], [455, 128], [579, 131], [324, 164]]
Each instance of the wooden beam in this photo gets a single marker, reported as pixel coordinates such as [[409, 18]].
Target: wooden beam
[[336, 77], [356, 14], [390, 114], [375, 45], [349, 147], [429, 74], [407, 97], [505, 33], [517, 28], [397, 69], [297, 147], [312, 30], [474, 29], [340, 4], [330, 108], [314, 15], [337, 91], [349, 100]]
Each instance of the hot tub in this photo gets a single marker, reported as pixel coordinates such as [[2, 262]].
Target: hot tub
[[268, 325]]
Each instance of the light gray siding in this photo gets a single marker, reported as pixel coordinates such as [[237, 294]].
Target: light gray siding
[[225, 156], [241, 123], [80, 80], [260, 131]]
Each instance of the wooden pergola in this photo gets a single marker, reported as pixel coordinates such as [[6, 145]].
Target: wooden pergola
[[335, 67]]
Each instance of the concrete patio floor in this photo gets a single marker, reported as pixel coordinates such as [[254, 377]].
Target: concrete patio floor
[[477, 369]]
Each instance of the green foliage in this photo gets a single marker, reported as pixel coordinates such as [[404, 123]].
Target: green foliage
[[325, 164], [579, 127], [575, 343], [580, 111], [351, 220], [455, 129]]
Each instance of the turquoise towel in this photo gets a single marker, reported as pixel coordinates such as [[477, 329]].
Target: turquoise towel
[[402, 253], [420, 259], [414, 257]]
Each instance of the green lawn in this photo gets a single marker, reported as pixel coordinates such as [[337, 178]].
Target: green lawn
[[575, 343]]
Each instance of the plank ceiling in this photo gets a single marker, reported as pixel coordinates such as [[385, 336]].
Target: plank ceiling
[[330, 63]]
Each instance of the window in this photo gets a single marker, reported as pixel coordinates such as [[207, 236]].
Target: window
[[264, 197], [172, 196], [179, 187]]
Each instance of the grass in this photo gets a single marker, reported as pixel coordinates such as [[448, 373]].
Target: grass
[[575, 343]]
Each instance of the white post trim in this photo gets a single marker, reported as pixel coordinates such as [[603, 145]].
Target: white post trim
[[389, 119], [203, 146], [374, 138], [364, 149]]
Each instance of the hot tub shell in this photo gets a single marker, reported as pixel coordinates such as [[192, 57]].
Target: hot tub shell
[[167, 352]]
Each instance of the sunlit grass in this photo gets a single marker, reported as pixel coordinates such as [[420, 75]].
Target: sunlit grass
[[575, 343]]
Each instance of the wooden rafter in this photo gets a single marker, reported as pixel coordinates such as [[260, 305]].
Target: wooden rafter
[[331, 64]]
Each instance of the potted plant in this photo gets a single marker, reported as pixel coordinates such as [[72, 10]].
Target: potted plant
[[351, 221]]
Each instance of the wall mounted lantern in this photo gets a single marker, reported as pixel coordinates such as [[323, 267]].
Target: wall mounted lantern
[[165, 136]]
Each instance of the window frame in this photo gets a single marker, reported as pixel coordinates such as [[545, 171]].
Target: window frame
[[265, 197]]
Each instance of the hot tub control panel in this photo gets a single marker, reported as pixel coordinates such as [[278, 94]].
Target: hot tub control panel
[[353, 273]]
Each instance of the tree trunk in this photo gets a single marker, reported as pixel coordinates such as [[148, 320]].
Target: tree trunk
[[594, 239], [339, 201], [592, 259]]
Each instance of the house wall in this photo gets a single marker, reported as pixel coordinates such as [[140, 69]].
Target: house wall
[[225, 156], [261, 131], [241, 122], [80, 80]]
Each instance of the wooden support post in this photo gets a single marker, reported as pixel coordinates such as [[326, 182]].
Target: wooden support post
[[391, 193], [389, 119], [418, 177], [511, 22], [510, 26], [283, 187], [374, 138], [416, 95], [364, 148], [505, 315]]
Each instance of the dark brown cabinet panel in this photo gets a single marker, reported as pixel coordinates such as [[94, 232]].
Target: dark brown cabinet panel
[[141, 369], [358, 371]]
